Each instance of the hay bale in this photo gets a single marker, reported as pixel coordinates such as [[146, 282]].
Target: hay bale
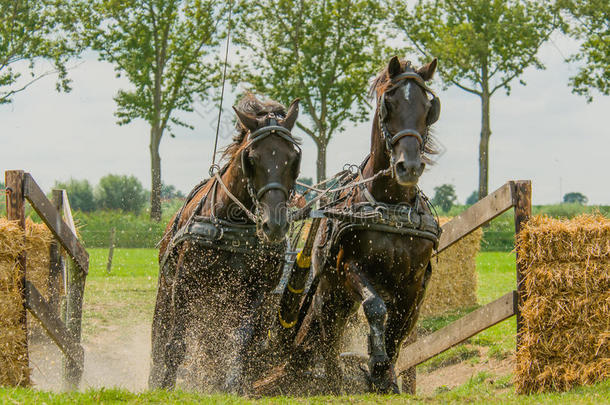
[[453, 284], [565, 340], [14, 368]]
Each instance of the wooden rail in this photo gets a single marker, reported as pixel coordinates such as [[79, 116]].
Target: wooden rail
[[513, 194], [49, 215], [478, 214], [54, 327], [458, 331]]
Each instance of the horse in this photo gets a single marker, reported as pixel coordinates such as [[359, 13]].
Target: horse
[[217, 251], [374, 245]]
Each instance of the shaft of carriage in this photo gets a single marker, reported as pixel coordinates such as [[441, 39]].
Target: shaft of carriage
[[288, 312]]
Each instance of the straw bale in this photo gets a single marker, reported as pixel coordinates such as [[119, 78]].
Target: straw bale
[[453, 284], [14, 369], [565, 340]]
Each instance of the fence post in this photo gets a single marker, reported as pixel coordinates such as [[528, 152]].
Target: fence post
[[15, 210], [75, 282], [56, 265], [111, 250], [72, 372], [523, 211]]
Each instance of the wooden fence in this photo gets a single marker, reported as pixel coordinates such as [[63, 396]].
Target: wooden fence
[[65, 333], [513, 194]]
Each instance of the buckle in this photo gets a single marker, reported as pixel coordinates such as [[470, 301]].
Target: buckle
[[235, 243]]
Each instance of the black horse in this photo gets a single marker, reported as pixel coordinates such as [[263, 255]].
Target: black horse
[[218, 257], [374, 246]]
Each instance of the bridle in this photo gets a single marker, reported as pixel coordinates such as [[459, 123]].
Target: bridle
[[271, 128], [391, 140]]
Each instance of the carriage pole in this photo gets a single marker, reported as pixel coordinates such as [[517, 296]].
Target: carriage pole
[[288, 313]]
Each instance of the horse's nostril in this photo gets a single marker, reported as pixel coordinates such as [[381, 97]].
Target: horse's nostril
[[401, 167]]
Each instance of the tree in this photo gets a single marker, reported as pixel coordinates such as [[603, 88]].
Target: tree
[[482, 47], [116, 192], [80, 194], [169, 191], [161, 47], [587, 21], [575, 198], [472, 198], [31, 31], [323, 52], [444, 196]]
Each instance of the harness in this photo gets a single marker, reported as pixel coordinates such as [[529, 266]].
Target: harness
[[371, 215], [225, 234]]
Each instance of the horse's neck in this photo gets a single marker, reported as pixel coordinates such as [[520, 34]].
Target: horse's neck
[[236, 183], [384, 188]]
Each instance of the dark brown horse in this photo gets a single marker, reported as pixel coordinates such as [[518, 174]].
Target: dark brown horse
[[218, 255], [374, 248]]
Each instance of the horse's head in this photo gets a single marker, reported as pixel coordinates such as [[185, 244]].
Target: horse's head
[[406, 109], [270, 160]]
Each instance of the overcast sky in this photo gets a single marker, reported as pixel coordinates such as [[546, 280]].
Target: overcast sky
[[541, 132]]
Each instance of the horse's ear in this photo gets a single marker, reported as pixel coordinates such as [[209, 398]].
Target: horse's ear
[[246, 120], [394, 67], [292, 114], [426, 72]]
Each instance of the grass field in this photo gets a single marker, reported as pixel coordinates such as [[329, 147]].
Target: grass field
[[126, 296]]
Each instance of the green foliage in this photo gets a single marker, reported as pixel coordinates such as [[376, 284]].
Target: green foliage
[[116, 192], [163, 48], [31, 31], [482, 46], [472, 198], [322, 52], [444, 196], [169, 191], [587, 21], [575, 198], [80, 194]]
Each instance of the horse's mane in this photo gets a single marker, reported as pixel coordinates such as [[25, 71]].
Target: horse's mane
[[381, 83], [250, 104]]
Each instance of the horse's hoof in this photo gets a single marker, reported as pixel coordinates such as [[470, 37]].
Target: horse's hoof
[[382, 377]]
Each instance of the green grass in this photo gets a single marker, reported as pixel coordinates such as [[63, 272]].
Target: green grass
[[483, 388], [123, 296]]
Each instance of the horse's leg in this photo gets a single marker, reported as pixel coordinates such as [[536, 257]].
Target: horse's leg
[[243, 336], [175, 348], [160, 327], [403, 314], [334, 306], [375, 311]]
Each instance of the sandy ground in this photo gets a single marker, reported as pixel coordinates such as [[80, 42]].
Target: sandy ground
[[120, 358], [113, 358]]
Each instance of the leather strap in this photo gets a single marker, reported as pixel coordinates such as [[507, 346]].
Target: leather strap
[[407, 132], [272, 186]]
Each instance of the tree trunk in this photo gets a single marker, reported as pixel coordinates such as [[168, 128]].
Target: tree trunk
[[155, 168], [485, 134], [321, 162]]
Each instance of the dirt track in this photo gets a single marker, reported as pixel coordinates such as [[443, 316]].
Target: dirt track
[[120, 358]]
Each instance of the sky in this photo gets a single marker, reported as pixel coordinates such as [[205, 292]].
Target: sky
[[540, 132]]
